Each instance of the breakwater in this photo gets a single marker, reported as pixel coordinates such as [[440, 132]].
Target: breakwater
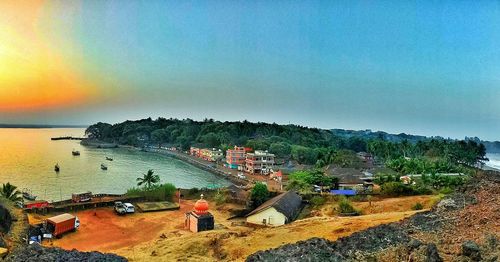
[[66, 138]]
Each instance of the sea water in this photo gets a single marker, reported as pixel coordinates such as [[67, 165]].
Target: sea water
[[28, 157]]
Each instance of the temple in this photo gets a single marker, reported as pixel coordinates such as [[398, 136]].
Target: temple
[[199, 219]]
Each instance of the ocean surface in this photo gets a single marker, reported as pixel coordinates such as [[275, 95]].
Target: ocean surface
[[494, 160], [28, 156]]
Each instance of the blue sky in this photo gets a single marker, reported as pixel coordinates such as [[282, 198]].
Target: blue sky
[[423, 67]]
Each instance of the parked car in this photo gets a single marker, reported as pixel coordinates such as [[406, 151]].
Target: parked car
[[129, 207], [124, 208], [241, 176], [120, 208]]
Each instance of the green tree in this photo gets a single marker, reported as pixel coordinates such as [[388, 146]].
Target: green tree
[[10, 192], [148, 180], [259, 194]]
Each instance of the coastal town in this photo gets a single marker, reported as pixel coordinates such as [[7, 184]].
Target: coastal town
[[256, 131], [271, 201]]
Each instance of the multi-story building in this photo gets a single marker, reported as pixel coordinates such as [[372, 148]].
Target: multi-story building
[[235, 157], [211, 155], [259, 162]]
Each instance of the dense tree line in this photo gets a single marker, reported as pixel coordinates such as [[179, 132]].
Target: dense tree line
[[311, 146]]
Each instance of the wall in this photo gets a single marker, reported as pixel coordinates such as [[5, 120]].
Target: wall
[[271, 215]]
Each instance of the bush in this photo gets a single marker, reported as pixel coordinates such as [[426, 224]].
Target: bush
[[396, 189], [220, 198], [259, 194], [163, 192], [418, 206], [345, 207], [446, 191], [317, 201]]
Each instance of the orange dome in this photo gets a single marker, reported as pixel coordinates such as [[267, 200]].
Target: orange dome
[[201, 206]]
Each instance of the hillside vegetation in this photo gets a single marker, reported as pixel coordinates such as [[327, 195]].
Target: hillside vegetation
[[304, 145]]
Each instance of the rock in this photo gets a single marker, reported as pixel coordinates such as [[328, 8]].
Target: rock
[[432, 254], [36, 252], [3, 252], [471, 249]]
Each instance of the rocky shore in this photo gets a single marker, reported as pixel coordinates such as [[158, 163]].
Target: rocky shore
[[463, 226]]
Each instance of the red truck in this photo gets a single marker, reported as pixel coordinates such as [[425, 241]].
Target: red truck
[[35, 204], [61, 224]]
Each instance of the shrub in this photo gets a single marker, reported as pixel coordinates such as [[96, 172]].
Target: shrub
[[220, 198], [163, 192], [345, 207], [418, 206], [317, 201], [396, 189], [259, 194], [446, 191]]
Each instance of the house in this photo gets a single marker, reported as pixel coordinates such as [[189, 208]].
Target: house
[[277, 211], [366, 157], [212, 155], [351, 178], [259, 162], [235, 157], [194, 151]]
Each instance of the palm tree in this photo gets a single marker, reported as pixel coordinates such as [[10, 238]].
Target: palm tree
[[10, 192], [148, 179]]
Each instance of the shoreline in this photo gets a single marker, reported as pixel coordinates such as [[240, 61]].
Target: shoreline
[[210, 167]]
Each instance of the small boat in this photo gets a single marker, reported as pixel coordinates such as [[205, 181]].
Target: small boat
[[75, 152], [104, 167], [109, 158], [56, 168], [28, 195]]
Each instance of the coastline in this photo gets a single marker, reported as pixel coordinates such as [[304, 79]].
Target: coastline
[[228, 174]]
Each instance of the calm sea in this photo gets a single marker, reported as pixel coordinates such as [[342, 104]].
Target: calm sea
[[494, 160], [28, 156]]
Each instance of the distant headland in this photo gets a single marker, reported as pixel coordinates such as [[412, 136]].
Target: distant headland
[[40, 126]]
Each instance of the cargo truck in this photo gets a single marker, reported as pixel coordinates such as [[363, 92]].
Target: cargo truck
[[61, 224]]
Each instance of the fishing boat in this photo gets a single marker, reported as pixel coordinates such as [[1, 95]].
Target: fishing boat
[[109, 158], [28, 194], [56, 168], [104, 167], [75, 152]]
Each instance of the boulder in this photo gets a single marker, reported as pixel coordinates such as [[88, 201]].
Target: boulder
[[471, 249]]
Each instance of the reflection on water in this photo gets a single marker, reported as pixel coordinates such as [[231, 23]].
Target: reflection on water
[[28, 156]]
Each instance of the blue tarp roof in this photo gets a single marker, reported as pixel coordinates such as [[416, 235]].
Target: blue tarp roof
[[345, 192]]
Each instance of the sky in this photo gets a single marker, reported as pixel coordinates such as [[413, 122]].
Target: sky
[[419, 67]]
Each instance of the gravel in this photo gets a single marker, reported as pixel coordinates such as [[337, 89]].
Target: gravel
[[36, 252]]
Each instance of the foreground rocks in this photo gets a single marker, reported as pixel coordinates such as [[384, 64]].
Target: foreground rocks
[[38, 253], [465, 226]]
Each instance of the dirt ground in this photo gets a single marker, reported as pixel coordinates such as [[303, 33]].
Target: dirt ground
[[239, 242], [160, 236], [101, 229]]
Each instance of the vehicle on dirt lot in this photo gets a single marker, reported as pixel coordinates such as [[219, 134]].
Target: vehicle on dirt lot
[[129, 207], [120, 208], [61, 224], [124, 208]]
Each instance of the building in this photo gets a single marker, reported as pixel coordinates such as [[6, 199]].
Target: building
[[194, 151], [199, 219], [367, 158], [259, 162], [212, 155], [277, 211], [351, 178], [235, 157]]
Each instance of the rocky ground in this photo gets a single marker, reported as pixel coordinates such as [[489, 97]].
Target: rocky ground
[[38, 253], [464, 226]]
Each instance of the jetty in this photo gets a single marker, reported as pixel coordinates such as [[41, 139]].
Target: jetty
[[66, 138]]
